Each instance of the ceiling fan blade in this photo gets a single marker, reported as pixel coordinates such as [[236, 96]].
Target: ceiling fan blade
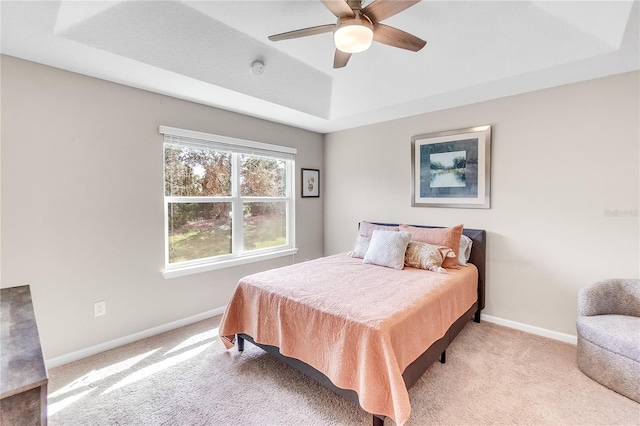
[[383, 9], [340, 59], [320, 29], [340, 8], [397, 38]]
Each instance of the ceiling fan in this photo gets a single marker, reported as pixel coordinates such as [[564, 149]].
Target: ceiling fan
[[356, 28]]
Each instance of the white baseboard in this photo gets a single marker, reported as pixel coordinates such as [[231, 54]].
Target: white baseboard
[[555, 335], [83, 353]]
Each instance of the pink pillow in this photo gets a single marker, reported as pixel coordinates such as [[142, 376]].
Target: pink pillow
[[448, 237], [367, 228]]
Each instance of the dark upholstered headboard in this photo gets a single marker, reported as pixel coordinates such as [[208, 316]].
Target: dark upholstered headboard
[[478, 254]]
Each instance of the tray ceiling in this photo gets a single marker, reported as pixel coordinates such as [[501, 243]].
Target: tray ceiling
[[203, 50]]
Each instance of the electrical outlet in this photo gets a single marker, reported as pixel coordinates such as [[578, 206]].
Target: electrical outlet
[[99, 308]]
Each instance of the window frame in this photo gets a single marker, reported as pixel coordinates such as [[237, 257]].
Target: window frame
[[237, 148]]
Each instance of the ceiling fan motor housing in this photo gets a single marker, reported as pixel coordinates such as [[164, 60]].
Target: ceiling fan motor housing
[[353, 35]]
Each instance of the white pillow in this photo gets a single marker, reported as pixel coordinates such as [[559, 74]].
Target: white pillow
[[387, 248], [465, 250], [361, 247]]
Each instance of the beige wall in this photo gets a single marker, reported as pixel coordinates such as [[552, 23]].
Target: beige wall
[[82, 203], [561, 159], [83, 222]]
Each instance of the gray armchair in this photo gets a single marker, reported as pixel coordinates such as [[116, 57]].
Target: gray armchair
[[608, 328]]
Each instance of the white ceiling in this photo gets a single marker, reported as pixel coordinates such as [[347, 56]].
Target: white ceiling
[[202, 51]]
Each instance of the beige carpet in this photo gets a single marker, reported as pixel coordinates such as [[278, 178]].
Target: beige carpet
[[493, 375]]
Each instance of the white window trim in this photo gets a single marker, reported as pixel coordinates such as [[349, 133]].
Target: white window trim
[[182, 271], [209, 264], [165, 130]]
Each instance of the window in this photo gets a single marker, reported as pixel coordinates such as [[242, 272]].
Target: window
[[227, 201]]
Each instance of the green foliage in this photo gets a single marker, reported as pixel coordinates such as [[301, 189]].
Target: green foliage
[[181, 214], [194, 243], [191, 172], [208, 238], [267, 229], [261, 177], [459, 163], [203, 229], [434, 165]]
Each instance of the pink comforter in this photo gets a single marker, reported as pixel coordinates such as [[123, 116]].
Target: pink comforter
[[361, 325]]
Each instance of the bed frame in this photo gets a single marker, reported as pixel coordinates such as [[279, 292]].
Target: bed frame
[[436, 351]]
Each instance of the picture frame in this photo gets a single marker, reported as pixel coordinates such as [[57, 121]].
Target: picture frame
[[452, 168], [310, 183]]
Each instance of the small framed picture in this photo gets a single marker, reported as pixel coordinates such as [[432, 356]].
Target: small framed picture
[[310, 183], [451, 169]]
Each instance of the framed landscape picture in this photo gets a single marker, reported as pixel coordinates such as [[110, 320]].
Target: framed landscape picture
[[310, 183], [452, 168]]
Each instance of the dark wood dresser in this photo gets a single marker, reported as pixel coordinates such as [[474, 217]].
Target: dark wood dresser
[[23, 375]]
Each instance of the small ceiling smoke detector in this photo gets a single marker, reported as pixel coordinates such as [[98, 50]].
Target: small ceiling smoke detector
[[257, 68]]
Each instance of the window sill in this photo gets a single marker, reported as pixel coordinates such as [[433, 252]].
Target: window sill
[[206, 267]]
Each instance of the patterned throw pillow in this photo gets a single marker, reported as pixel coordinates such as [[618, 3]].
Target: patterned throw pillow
[[427, 256], [387, 248], [448, 237]]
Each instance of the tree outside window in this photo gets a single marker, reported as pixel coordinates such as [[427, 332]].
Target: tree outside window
[[221, 203]]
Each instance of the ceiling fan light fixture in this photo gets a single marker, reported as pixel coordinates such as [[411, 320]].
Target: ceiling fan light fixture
[[353, 36]]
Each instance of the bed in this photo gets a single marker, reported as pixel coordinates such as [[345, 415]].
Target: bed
[[366, 332]]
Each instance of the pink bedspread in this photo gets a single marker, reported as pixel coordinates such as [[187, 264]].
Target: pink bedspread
[[361, 325]]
